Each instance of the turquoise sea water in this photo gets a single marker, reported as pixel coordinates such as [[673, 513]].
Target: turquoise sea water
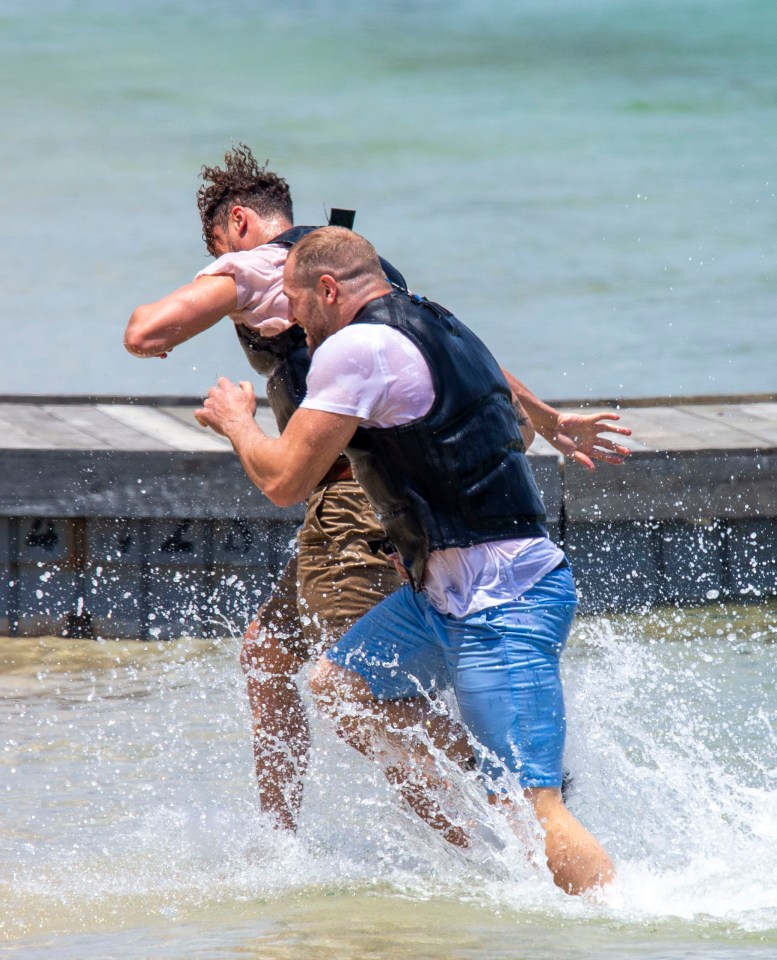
[[589, 184]]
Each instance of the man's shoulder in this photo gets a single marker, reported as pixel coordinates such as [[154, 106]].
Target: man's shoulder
[[265, 254], [363, 336], [265, 259], [349, 342], [368, 347]]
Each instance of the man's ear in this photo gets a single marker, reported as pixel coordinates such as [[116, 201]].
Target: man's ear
[[239, 217], [328, 287]]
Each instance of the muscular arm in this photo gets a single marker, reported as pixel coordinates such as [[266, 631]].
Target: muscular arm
[[285, 468], [155, 328], [577, 436]]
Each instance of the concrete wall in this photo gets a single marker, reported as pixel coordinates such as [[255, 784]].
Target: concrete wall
[[136, 578], [125, 521], [149, 578]]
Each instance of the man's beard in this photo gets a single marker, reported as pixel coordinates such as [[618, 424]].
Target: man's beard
[[313, 343], [315, 332]]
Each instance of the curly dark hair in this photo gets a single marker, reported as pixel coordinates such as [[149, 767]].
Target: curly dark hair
[[242, 181]]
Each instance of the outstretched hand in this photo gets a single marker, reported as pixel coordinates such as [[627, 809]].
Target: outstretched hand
[[579, 436], [227, 405]]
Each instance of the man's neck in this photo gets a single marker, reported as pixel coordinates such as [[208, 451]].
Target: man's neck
[[265, 230], [362, 297]]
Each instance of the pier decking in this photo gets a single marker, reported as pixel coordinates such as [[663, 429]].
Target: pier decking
[[122, 517]]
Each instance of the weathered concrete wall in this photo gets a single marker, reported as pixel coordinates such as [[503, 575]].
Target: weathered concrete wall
[[123, 519], [136, 578]]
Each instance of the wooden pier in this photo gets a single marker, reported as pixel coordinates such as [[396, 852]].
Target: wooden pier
[[121, 517]]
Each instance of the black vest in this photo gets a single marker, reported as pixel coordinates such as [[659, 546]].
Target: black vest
[[459, 475], [284, 359]]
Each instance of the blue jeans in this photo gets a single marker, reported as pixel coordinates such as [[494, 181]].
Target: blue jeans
[[502, 664]]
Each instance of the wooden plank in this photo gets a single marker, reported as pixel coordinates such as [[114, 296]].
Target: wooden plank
[[674, 428], [108, 432], [589, 404], [16, 437], [36, 426], [133, 484], [264, 417], [757, 421], [629, 403], [681, 485], [689, 463], [167, 430], [185, 416]]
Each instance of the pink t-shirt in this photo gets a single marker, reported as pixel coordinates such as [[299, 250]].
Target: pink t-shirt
[[258, 276]]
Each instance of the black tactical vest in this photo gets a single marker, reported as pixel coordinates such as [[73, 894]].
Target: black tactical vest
[[459, 475], [284, 358]]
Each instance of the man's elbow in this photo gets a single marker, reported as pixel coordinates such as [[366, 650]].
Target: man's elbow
[[136, 339], [285, 492], [282, 498]]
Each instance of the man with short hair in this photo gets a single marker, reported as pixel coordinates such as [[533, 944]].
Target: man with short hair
[[428, 421]]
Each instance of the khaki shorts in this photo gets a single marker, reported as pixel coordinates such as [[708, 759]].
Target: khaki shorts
[[335, 578]]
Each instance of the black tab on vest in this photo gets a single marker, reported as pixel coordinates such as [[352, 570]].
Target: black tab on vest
[[341, 218]]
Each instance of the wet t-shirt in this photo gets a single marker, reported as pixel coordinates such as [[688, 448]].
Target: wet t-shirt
[[258, 276], [379, 375]]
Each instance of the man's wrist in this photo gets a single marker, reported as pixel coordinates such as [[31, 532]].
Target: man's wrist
[[239, 429]]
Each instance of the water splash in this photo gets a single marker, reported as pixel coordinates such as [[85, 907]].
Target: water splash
[[130, 798], [676, 727]]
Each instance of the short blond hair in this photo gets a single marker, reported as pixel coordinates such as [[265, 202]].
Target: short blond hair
[[336, 251]]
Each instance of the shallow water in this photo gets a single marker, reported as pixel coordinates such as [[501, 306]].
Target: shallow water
[[131, 827]]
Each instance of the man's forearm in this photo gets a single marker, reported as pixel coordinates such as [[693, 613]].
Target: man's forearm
[[259, 456], [155, 328], [146, 336], [579, 436], [285, 468], [544, 418]]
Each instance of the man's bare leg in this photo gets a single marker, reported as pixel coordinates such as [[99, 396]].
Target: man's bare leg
[[281, 736], [575, 858], [379, 730]]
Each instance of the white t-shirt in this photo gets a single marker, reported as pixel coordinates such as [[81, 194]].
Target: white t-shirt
[[374, 372], [370, 371], [258, 276]]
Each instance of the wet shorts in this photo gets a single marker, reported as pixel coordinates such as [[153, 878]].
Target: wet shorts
[[336, 575], [502, 664]]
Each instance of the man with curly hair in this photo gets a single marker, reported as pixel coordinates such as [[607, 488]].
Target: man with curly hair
[[340, 571]]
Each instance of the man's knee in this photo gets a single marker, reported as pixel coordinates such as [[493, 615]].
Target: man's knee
[[331, 685], [263, 652]]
